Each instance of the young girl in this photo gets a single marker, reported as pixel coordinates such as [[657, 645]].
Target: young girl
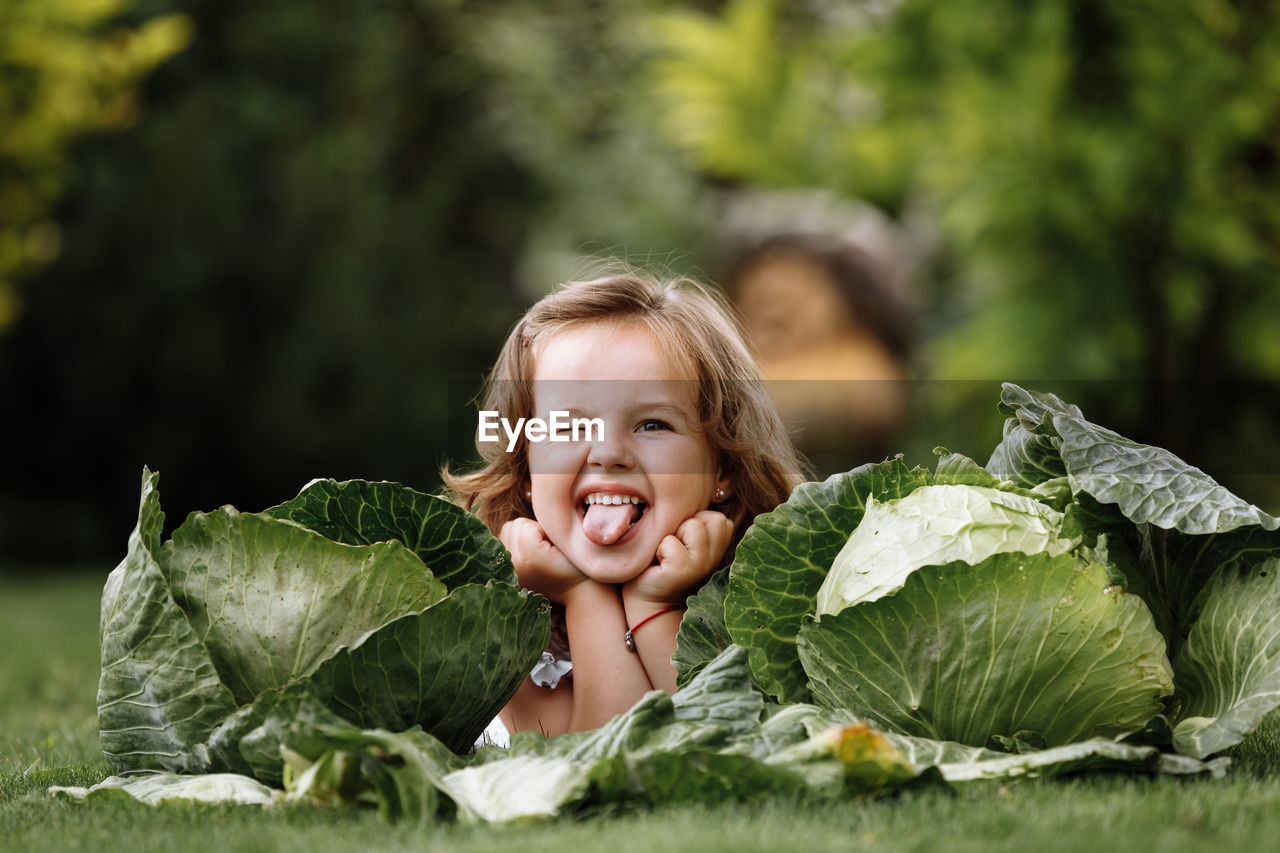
[[677, 449]]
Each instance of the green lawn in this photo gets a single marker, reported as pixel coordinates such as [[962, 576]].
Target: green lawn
[[48, 676]]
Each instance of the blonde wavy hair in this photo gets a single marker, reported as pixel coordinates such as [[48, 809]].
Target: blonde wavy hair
[[738, 416]]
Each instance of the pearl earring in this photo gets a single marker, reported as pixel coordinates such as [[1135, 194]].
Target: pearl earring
[[528, 494], [720, 495]]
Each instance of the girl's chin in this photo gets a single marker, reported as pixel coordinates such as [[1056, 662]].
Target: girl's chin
[[615, 571]]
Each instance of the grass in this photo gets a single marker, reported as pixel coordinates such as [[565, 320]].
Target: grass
[[48, 673]]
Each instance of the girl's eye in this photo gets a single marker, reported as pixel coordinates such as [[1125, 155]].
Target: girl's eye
[[653, 425]]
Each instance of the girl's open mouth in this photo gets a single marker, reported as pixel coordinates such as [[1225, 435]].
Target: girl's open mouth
[[607, 517]]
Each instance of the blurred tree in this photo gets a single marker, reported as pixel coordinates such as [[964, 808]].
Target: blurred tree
[[291, 267], [567, 99], [67, 68], [1105, 180]]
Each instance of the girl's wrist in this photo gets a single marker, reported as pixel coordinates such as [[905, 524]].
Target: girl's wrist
[[588, 592], [638, 609], [673, 615], [642, 604]]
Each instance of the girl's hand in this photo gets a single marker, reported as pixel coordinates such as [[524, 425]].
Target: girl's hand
[[539, 565], [683, 561]]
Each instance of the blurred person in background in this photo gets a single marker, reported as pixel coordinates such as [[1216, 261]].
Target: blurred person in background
[[832, 338]]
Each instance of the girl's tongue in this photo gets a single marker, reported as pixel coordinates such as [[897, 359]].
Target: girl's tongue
[[605, 523]]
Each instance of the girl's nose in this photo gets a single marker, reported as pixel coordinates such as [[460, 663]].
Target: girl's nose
[[612, 452]]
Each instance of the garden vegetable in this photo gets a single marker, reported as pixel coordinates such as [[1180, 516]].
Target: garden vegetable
[[208, 637], [1078, 585]]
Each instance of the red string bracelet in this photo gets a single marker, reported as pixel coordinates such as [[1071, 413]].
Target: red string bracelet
[[629, 638]]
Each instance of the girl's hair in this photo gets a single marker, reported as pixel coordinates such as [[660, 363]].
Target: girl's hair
[[737, 414]]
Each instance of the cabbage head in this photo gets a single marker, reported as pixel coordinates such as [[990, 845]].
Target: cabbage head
[[385, 607], [1079, 585]]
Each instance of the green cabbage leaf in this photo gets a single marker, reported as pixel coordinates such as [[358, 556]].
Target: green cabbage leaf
[[931, 526]]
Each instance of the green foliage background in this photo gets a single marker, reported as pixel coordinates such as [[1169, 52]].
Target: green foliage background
[[66, 67], [299, 254], [1101, 182], [273, 276]]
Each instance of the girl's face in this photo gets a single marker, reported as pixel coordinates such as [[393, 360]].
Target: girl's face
[[653, 458]]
